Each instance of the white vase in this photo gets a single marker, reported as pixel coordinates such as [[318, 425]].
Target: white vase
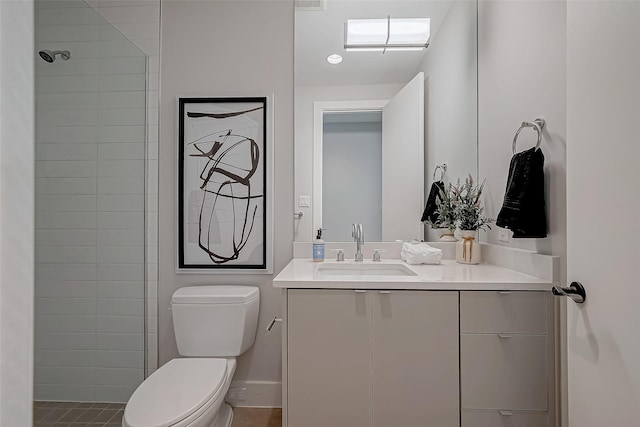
[[447, 235], [468, 250]]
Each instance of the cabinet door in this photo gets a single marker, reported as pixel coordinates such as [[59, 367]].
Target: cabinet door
[[504, 371], [329, 358], [415, 359]]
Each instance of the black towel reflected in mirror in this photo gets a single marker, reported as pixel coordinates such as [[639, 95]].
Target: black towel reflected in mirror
[[434, 198]]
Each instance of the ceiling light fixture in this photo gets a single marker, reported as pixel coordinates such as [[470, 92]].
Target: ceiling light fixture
[[387, 34], [334, 59]]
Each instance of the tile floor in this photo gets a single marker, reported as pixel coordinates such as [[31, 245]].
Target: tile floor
[[75, 414]]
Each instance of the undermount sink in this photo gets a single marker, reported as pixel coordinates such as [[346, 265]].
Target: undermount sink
[[334, 269]]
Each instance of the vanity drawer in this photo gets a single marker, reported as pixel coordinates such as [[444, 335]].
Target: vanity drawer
[[503, 418], [503, 312], [503, 371]]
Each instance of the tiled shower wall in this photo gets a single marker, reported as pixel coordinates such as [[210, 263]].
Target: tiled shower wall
[[90, 208], [139, 21]]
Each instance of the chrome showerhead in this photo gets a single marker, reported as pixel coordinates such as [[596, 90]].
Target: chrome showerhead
[[50, 55]]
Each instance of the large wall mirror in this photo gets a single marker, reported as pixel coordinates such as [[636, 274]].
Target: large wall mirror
[[376, 112]]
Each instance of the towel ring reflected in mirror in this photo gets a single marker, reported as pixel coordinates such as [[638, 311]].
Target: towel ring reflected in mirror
[[537, 124], [443, 170]]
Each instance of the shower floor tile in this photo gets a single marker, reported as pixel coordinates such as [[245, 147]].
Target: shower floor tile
[[77, 414], [84, 414]]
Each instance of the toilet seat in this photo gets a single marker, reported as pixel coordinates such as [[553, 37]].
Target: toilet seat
[[179, 392]]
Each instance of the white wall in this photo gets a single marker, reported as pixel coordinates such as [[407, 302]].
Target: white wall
[[521, 76], [450, 68], [90, 164], [305, 96], [16, 211], [351, 180], [227, 48]]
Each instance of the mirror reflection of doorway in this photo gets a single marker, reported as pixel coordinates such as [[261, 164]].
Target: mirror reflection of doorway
[[401, 165], [352, 174]]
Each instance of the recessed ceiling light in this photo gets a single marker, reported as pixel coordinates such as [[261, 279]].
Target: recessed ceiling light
[[334, 59]]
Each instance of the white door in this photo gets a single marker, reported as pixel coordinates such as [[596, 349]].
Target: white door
[[603, 202], [403, 163]]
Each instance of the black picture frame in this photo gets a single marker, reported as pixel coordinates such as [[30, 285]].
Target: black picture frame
[[223, 145]]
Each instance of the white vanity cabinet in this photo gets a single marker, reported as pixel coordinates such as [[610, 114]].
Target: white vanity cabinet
[[453, 345], [506, 359], [379, 358]]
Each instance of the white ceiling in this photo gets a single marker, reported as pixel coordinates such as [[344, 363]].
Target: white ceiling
[[319, 34]]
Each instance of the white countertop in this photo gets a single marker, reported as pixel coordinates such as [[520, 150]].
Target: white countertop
[[450, 275]]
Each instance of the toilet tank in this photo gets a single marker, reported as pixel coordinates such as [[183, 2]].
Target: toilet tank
[[215, 321]]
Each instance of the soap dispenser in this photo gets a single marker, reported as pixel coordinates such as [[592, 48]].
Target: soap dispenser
[[318, 247]]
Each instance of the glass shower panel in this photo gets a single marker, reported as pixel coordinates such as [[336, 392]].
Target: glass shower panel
[[90, 207]]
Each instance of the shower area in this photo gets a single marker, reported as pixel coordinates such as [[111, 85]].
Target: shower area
[[91, 157]]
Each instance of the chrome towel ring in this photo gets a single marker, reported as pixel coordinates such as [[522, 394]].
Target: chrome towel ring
[[537, 124]]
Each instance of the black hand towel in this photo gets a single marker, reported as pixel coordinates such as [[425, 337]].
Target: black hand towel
[[523, 210], [432, 202]]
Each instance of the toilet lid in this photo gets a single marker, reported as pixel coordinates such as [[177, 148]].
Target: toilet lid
[[175, 391]]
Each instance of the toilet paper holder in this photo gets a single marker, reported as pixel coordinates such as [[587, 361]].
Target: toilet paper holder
[[272, 323]]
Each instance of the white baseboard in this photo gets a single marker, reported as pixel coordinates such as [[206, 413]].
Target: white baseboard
[[255, 394]]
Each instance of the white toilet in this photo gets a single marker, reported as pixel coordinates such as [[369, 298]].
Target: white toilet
[[213, 325]]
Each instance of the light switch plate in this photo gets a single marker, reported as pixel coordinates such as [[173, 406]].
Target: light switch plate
[[304, 201]]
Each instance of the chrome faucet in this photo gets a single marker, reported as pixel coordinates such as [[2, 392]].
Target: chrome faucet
[[357, 232]]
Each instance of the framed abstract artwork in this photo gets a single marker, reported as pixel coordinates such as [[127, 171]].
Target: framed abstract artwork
[[224, 184]]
